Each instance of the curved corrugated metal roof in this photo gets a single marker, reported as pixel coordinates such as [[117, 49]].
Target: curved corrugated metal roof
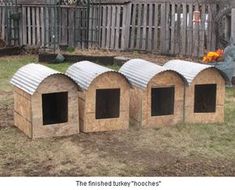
[[84, 72], [30, 76], [139, 72], [189, 70]]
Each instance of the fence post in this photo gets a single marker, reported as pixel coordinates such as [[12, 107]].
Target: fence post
[[126, 26], [233, 19]]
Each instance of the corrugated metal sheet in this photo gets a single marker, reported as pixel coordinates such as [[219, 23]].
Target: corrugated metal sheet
[[30, 76], [139, 72], [84, 72], [189, 70]]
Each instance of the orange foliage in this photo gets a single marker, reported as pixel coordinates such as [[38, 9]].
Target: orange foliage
[[213, 56]]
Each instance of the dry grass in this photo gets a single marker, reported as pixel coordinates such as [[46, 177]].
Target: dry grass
[[183, 150]]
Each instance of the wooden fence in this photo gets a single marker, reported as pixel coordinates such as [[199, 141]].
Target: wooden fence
[[163, 27], [174, 32]]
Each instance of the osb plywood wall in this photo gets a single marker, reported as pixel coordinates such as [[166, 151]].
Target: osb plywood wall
[[56, 83], [28, 114], [209, 76], [136, 96], [89, 122], [140, 108], [166, 79], [22, 111]]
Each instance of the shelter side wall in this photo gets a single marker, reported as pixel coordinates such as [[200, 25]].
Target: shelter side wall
[[81, 107], [55, 84], [107, 81], [136, 95], [22, 111], [166, 79], [209, 76]]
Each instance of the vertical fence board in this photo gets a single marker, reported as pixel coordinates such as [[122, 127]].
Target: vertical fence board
[[38, 25], [172, 29], [144, 27], [117, 28], [114, 15], [24, 26], [133, 28], [3, 24], [163, 29], [108, 27], [209, 31], [156, 23], [64, 25], [46, 27], [167, 40], [71, 27], [184, 30], [126, 25], [29, 32], [196, 35], [190, 31], [33, 27], [202, 31], [177, 32], [138, 27], [150, 28], [213, 37], [91, 29], [103, 28], [42, 27]]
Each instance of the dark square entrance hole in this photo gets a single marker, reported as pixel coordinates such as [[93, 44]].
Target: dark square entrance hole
[[162, 101], [107, 103], [205, 98], [55, 108]]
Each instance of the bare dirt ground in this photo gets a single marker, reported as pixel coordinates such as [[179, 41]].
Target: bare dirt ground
[[159, 59], [183, 150]]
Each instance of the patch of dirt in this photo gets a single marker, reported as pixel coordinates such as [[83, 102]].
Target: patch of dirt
[[159, 59], [196, 166], [100, 154]]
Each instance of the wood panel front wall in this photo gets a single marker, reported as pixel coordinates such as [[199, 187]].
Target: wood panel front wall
[[140, 107], [165, 79], [87, 101], [55, 84], [209, 76]]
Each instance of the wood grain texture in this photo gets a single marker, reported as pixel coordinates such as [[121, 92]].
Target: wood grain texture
[[209, 76], [140, 102], [105, 81], [28, 114]]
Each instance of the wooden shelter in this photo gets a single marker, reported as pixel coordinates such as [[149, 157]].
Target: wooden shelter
[[45, 102], [204, 97], [157, 94], [104, 100]]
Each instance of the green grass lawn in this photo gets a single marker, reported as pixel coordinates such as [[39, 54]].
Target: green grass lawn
[[184, 150]]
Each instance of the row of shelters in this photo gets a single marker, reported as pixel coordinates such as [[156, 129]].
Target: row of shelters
[[92, 98]]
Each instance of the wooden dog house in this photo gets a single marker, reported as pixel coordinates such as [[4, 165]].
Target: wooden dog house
[[204, 97], [45, 102], [157, 95], [104, 97]]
